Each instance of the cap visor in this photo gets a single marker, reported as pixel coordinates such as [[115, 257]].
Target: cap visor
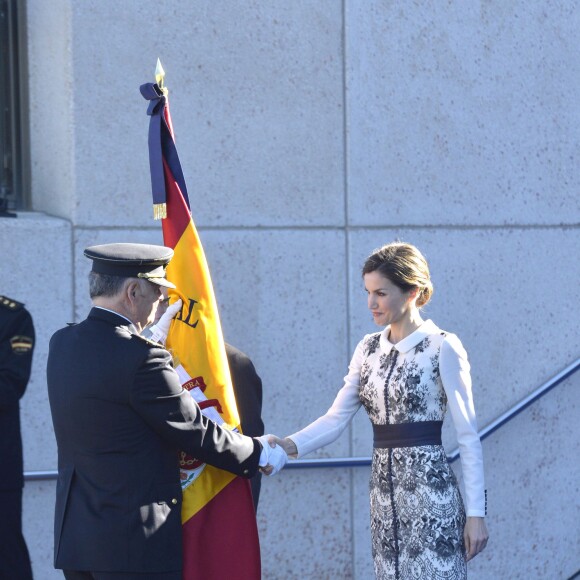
[[162, 282]]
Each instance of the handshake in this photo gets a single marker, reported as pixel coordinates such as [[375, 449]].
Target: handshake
[[275, 453]]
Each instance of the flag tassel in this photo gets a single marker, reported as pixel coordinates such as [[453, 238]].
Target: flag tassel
[[159, 211]]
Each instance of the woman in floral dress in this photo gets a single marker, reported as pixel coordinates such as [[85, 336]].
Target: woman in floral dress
[[406, 376]]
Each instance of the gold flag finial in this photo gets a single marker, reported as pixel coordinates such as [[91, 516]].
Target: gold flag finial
[[160, 77]]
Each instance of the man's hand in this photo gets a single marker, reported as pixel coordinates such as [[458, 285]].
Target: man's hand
[[164, 322], [273, 457], [160, 329]]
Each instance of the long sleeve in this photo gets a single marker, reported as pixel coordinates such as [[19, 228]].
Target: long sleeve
[[327, 428], [454, 368], [16, 346], [158, 397], [247, 386]]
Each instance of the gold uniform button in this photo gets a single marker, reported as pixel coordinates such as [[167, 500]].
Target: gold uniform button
[[173, 501]]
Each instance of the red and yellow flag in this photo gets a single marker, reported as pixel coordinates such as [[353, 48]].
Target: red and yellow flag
[[220, 535]]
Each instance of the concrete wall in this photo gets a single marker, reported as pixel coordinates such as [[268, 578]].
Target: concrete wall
[[311, 133]]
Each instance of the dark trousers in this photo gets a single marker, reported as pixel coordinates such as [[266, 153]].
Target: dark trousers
[[72, 575], [14, 558]]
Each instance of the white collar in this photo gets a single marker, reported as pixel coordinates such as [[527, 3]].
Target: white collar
[[428, 327], [132, 327]]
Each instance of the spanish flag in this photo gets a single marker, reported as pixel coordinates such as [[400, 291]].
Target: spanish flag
[[220, 535]]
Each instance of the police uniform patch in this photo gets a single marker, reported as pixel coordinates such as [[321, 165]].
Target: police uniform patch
[[21, 344]]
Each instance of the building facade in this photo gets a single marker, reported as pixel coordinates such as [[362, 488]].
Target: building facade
[[311, 133]]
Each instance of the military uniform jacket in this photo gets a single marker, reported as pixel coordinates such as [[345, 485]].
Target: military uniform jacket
[[247, 386], [16, 345], [120, 417]]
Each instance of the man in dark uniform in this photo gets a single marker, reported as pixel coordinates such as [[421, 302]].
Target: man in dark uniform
[[120, 416], [16, 346], [246, 383]]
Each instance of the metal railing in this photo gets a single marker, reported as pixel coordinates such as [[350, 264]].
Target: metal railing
[[454, 455], [365, 461]]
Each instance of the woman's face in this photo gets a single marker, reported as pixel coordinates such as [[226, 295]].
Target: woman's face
[[387, 302]]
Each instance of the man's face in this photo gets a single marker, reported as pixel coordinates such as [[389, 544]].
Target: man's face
[[148, 297], [162, 305]]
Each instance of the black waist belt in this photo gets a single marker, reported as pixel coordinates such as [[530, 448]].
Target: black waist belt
[[407, 434]]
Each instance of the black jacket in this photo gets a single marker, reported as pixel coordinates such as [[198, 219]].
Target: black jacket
[[247, 387], [120, 416], [16, 345]]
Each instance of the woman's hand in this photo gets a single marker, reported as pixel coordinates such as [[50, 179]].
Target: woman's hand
[[475, 536], [287, 444]]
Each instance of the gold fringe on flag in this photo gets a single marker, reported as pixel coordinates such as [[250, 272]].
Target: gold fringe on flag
[[159, 211]]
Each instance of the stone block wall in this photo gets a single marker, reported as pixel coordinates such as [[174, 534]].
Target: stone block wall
[[311, 133]]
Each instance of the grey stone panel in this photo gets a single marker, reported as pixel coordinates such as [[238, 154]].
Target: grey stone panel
[[37, 270], [281, 299], [504, 292], [304, 521], [257, 104], [532, 475], [51, 87], [462, 113]]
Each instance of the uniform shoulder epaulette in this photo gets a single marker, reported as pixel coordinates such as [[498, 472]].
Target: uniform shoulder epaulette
[[149, 342], [10, 304]]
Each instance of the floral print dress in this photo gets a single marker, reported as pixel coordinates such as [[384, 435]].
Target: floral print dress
[[417, 513]]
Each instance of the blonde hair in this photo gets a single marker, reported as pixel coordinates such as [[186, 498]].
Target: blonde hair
[[405, 266]]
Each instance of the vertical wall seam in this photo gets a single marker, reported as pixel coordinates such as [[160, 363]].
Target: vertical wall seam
[[347, 267]]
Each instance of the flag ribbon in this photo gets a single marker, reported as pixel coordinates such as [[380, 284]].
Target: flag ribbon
[[162, 150]]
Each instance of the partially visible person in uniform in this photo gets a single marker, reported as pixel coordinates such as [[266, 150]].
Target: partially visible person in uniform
[[120, 417], [16, 346], [246, 383], [247, 386]]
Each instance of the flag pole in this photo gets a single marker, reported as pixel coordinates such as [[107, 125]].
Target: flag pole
[[160, 77], [217, 508]]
